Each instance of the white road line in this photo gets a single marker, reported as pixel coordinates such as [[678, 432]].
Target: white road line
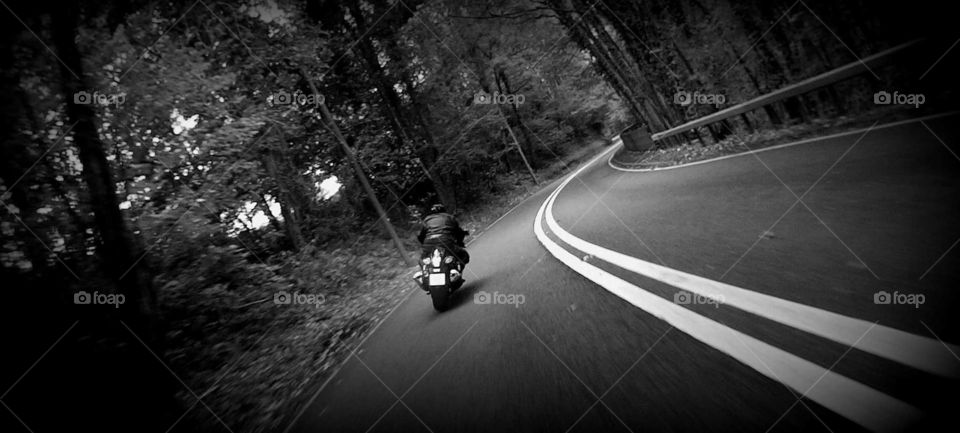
[[359, 345], [916, 351], [781, 146], [858, 402]]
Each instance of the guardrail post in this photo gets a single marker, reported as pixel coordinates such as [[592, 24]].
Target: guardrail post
[[637, 139]]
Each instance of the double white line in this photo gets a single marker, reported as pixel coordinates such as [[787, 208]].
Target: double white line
[[851, 399]]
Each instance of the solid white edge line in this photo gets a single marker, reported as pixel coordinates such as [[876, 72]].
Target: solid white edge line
[[781, 146], [913, 350], [855, 401], [916, 351]]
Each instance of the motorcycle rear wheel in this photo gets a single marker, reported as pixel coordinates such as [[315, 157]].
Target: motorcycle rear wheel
[[439, 295]]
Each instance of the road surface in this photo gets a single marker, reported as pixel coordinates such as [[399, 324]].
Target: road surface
[[803, 238]]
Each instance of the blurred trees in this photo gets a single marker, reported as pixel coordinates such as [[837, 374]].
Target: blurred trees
[[174, 151], [650, 51]]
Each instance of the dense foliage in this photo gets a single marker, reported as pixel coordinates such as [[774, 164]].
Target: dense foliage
[[198, 158]]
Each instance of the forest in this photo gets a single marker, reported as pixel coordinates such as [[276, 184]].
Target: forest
[[180, 163]]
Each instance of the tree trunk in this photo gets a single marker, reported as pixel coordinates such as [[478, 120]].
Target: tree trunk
[[357, 170], [605, 63], [291, 220], [503, 84], [517, 143], [120, 253], [768, 109], [266, 210], [427, 155], [394, 106]]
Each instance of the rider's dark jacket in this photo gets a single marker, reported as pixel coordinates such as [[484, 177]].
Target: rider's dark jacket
[[440, 227]]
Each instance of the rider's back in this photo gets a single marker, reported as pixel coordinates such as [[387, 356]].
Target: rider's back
[[441, 225]]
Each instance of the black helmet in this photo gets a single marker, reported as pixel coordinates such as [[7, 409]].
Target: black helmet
[[438, 208]]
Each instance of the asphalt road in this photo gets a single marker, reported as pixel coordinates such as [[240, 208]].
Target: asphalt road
[[881, 211]]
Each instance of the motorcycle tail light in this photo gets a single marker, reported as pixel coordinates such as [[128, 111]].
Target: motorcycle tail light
[[436, 258]]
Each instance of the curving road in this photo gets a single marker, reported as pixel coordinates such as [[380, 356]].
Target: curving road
[[788, 247]]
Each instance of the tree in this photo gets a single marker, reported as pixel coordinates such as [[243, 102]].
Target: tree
[[120, 255]]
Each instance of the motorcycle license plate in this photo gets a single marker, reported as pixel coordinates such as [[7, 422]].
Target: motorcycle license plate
[[438, 279]]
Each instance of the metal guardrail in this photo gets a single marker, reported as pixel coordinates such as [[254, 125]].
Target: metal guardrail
[[810, 84]]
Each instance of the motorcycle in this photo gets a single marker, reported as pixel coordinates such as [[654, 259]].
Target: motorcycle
[[440, 275]]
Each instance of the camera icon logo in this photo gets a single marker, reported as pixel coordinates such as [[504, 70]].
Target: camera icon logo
[[881, 98], [682, 298], [282, 98], [281, 298], [81, 298], [82, 97], [683, 98], [482, 97], [482, 298], [881, 298]]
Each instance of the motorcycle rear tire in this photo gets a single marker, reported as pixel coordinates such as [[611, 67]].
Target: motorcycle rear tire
[[439, 295]]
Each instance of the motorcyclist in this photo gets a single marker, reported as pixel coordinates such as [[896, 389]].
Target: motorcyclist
[[442, 230]]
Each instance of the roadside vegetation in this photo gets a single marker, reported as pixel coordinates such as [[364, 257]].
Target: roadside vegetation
[[206, 205], [745, 141]]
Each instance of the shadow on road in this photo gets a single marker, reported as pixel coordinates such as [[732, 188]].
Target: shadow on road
[[465, 293]]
